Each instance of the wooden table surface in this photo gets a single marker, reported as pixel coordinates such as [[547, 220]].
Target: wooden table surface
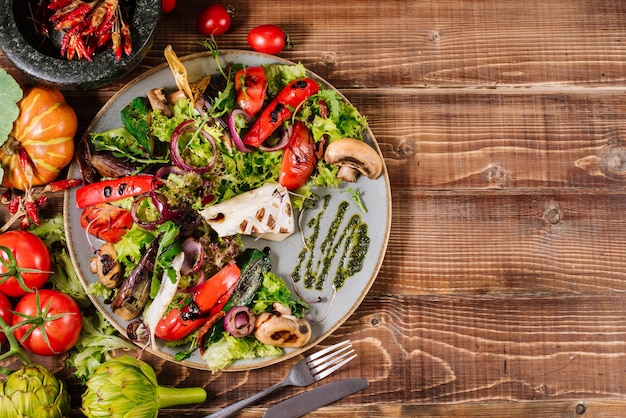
[[502, 125]]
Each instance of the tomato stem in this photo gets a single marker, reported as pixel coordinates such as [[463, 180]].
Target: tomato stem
[[13, 270]]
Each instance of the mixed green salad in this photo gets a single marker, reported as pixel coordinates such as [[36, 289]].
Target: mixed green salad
[[171, 192]]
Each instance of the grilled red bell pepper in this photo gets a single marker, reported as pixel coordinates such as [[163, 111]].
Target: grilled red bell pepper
[[299, 158], [105, 221], [207, 301], [251, 85], [111, 190], [280, 109]]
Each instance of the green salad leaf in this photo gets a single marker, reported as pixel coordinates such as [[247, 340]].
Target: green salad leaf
[[10, 94]]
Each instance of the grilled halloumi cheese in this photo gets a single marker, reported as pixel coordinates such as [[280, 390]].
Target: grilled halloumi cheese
[[265, 212]]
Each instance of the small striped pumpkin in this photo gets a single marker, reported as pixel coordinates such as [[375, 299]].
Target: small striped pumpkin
[[42, 139]]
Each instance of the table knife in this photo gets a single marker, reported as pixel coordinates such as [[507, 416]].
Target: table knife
[[316, 398]]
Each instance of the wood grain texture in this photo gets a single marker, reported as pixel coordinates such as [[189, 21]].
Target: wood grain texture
[[502, 293]]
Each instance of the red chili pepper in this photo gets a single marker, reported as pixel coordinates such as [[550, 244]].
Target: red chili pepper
[[280, 109], [60, 185], [208, 300], [32, 212], [14, 205], [7, 196], [251, 84], [111, 190]]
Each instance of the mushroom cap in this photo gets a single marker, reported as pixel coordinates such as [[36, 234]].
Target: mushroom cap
[[282, 330], [353, 157]]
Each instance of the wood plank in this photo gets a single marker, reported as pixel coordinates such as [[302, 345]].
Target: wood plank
[[434, 353], [502, 242]]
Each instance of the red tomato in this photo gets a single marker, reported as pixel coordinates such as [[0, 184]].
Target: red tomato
[[107, 222], [299, 158], [268, 39], [61, 325], [27, 252], [214, 20], [168, 6], [6, 313]]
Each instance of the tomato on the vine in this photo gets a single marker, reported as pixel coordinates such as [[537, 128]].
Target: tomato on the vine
[[168, 6], [24, 263], [214, 20], [59, 325], [6, 313], [268, 39]]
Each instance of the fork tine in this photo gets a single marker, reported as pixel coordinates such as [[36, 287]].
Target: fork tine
[[323, 371], [327, 350]]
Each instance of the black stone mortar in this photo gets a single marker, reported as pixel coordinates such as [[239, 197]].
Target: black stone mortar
[[41, 61]]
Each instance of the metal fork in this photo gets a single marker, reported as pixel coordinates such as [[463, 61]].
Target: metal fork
[[307, 371]]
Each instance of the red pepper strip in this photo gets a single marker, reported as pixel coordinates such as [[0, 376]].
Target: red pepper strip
[[111, 190], [280, 109], [299, 158], [208, 300], [251, 84]]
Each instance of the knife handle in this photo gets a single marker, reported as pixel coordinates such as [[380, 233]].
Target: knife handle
[[238, 406]]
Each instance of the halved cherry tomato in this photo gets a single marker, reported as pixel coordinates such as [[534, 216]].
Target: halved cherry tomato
[[59, 325], [111, 190], [6, 313], [251, 84], [268, 39], [280, 109], [208, 300], [28, 262], [299, 158], [214, 20], [107, 222]]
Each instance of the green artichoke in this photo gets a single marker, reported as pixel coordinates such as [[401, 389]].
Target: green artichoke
[[33, 392], [128, 387]]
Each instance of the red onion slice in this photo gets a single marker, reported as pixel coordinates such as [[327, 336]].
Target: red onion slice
[[239, 321], [175, 152], [194, 256], [234, 133]]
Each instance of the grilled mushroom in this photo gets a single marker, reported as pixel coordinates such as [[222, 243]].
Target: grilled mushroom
[[280, 328], [353, 157], [103, 264]]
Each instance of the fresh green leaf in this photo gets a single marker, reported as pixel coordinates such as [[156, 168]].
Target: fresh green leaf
[[10, 94]]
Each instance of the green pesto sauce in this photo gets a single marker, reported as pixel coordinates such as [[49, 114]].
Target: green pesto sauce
[[342, 249]]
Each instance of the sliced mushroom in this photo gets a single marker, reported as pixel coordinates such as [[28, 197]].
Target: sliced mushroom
[[280, 328], [157, 100], [353, 157], [104, 265]]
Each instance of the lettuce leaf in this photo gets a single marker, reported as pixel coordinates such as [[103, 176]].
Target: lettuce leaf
[[10, 94], [227, 349]]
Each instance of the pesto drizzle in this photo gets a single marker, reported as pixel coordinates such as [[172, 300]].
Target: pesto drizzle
[[352, 241]]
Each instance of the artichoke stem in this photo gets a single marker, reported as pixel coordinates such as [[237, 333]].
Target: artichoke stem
[[167, 396]]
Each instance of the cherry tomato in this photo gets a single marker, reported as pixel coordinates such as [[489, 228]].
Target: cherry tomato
[[61, 322], [214, 20], [107, 222], [268, 39], [168, 6], [6, 313], [299, 158], [27, 252]]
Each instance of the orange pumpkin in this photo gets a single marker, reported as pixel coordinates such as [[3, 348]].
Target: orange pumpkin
[[41, 143]]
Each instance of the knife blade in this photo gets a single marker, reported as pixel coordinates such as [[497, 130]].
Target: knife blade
[[316, 398]]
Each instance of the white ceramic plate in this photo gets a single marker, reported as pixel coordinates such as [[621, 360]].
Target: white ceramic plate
[[375, 193]]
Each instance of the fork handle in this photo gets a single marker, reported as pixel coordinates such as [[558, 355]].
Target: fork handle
[[238, 406]]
